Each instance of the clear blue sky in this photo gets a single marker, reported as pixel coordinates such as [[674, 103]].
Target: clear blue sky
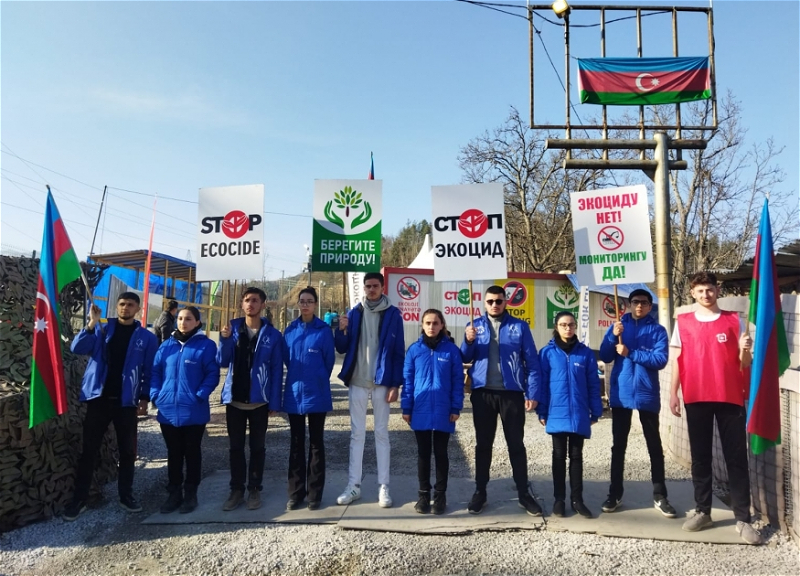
[[165, 98]]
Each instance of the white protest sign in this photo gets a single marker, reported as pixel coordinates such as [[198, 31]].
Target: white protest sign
[[347, 226], [355, 286], [230, 233], [469, 232], [612, 236]]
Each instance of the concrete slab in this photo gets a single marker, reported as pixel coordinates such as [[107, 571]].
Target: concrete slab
[[501, 513], [636, 517], [214, 491]]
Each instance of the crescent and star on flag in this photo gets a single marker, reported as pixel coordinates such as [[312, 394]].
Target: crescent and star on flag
[[40, 325], [653, 81]]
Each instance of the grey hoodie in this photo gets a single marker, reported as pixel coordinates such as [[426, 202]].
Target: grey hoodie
[[369, 335]]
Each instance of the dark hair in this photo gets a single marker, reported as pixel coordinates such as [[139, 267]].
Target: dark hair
[[640, 292], [193, 311], [257, 291], [373, 276], [558, 317], [437, 313], [129, 296], [702, 278], [308, 290], [171, 305], [495, 289]]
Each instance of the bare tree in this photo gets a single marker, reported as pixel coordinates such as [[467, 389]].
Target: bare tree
[[539, 233], [716, 202]]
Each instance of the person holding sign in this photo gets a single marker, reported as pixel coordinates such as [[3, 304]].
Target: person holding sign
[[309, 358], [251, 349], [371, 337], [569, 406], [713, 348], [432, 398], [506, 377], [638, 347]]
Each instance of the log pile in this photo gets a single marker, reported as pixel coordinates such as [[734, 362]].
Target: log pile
[[37, 467]]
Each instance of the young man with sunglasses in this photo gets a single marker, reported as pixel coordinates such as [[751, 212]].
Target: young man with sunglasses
[[371, 336], [639, 347], [505, 376]]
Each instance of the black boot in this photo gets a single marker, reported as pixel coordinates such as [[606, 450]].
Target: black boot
[[439, 502], [581, 509], [174, 500], [423, 505], [189, 498]]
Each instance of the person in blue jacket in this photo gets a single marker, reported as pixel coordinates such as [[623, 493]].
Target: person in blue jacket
[[569, 405], [505, 382], [639, 347], [115, 385], [431, 400], [371, 337], [309, 357], [252, 350], [185, 373]]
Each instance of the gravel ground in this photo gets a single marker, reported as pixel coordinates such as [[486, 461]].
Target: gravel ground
[[105, 540]]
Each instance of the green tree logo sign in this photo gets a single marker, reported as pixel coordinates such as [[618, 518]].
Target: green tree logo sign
[[356, 210]]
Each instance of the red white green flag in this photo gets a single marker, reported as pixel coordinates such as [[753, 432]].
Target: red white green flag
[[643, 81], [58, 267], [770, 348]]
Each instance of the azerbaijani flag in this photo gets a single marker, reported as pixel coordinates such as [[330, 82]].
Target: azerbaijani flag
[[642, 81], [770, 352], [58, 267], [371, 167]]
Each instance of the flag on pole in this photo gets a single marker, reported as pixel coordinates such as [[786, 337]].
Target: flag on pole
[[58, 267], [643, 81], [146, 287], [371, 167], [770, 351]]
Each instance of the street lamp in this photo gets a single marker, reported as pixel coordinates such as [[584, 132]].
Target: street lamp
[[308, 259], [561, 8], [321, 285]]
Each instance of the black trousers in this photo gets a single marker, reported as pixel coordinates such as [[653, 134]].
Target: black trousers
[[183, 445], [237, 421], [562, 443], [487, 405], [438, 441], [731, 424], [620, 428], [101, 412], [307, 477]]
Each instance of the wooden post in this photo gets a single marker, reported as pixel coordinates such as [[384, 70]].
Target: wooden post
[[616, 310]]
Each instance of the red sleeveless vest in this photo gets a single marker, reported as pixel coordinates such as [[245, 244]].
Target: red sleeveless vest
[[709, 360]]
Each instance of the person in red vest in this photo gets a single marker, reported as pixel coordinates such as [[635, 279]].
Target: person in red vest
[[714, 350]]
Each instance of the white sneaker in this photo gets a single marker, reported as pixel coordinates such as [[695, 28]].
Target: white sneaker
[[350, 494], [748, 533], [384, 498]]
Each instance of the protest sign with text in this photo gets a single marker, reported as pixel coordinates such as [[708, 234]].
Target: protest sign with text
[[231, 233], [612, 236], [347, 226], [469, 232]]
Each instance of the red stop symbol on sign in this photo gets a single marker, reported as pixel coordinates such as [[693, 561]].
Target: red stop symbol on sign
[[473, 223], [235, 224]]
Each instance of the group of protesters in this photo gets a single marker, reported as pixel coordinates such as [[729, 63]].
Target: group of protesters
[[507, 377]]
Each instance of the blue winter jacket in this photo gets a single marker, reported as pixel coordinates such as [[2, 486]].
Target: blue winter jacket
[[135, 372], [433, 385], [391, 347], [309, 357], [570, 392], [634, 380], [184, 376], [519, 363], [266, 372]]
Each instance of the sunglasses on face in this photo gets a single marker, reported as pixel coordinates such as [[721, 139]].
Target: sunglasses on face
[[491, 302]]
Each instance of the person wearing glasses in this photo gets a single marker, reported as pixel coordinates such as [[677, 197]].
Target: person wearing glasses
[[506, 377], [309, 357], [371, 337], [639, 347], [569, 405]]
